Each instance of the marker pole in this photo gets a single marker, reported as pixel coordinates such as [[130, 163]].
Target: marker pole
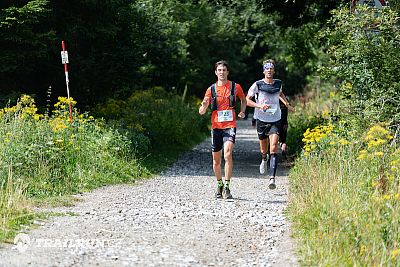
[[64, 59]]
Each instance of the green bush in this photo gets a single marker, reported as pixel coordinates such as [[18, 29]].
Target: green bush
[[51, 156], [163, 117], [43, 156], [364, 50]]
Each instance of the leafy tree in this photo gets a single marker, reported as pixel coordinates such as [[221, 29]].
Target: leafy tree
[[103, 46], [120, 46], [364, 49], [24, 40]]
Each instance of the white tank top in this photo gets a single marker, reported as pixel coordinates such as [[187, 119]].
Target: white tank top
[[272, 114]]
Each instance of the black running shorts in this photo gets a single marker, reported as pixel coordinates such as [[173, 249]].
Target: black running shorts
[[265, 129], [220, 136]]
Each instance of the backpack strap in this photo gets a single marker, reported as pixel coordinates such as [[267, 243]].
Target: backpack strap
[[258, 83], [214, 105], [232, 97]]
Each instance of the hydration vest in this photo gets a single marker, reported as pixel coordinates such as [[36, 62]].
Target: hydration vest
[[269, 88], [232, 100]]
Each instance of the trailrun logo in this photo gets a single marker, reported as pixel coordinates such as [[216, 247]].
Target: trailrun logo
[[23, 242]]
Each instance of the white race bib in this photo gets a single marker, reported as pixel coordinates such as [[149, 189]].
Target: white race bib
[[272, 109], [225, 115]]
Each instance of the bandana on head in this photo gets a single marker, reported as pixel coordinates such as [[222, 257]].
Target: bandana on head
[[268, 65]]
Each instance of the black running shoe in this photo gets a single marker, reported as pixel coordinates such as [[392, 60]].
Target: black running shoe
[[227, 193], [218, 193]]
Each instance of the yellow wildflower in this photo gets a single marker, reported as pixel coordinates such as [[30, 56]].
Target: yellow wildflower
[[344, 141], [363, 154], [58, 124], [386, 197], [395, 253], [377, 135], [376, 142], [362, 250]]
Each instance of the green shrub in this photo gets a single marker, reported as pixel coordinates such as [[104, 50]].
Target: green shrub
[[364, 50], [161, 116], [43, 156], [53, 156]]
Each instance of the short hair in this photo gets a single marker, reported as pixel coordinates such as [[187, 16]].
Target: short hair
[[223, 63], [269, 61]]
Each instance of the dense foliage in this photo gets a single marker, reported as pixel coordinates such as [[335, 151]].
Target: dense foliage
[[364, 51], [48, 155], [162, 118], [45, 155], [120, 46]]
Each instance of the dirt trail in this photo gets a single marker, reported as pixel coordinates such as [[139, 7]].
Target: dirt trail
[[171, 220]]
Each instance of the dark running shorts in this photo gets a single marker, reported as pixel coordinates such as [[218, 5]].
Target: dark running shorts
[[220, 136], [265, 129]]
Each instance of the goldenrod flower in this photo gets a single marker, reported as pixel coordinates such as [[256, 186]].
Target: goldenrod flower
[[363, 154], [344, 141], [377, 136]]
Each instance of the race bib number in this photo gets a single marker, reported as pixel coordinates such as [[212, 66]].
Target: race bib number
[[272, 109], [225, 115]]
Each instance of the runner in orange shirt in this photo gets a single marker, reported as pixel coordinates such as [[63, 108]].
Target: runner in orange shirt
[[222, 96]]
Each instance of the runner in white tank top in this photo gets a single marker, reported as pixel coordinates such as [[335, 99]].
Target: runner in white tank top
[[267, 93]]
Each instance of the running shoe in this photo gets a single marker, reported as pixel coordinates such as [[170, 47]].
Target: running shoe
[[263, 166], [218, 193], [272, 184], [227, 193]]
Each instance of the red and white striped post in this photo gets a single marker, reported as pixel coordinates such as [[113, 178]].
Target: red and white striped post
[[64, 59]]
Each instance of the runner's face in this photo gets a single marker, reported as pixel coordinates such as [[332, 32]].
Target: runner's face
[[222, 73], [269, 73]]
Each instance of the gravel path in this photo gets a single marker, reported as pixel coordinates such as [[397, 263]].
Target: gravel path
[[171, 220]]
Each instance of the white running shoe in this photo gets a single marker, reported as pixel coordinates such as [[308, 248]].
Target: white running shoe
[[263, 166], [272, 184]]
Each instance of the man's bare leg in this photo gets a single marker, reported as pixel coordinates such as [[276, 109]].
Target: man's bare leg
[[228, 150]]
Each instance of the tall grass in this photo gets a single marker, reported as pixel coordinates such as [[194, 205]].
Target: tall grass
[[345, 193]]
